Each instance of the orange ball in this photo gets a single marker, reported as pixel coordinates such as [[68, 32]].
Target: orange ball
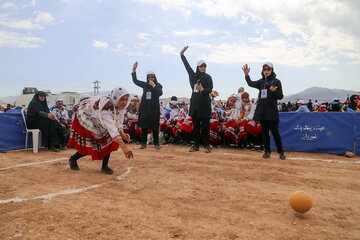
[[300, 201]]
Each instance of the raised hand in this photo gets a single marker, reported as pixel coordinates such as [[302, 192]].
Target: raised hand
[[135, 66], [246, 69], [183, 50], [273, 88]]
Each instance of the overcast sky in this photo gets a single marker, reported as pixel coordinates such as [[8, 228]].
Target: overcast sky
[[65, 45]]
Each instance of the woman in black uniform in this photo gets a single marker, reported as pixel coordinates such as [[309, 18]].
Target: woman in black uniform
[[270, 91], [149, 112], [200, 103]]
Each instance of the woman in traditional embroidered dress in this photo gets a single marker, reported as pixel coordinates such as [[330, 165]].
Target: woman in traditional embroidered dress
[[230, 124], [131, 119], [97, 129], [249, 130]]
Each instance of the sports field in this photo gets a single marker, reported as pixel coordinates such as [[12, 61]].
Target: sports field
[[174, 194]]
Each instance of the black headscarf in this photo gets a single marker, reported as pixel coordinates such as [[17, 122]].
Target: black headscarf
[[198, 73], [155, 79], [36, 105], [269, 78], [352, 103]]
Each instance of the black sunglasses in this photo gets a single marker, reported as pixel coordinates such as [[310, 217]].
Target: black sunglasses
[[266, 69], [203, 65]]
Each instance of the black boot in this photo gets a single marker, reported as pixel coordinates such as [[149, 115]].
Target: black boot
[[54, 149], [73, 163], [105, 168], [63, 147]]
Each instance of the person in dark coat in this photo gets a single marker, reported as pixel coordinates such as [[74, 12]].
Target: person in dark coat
[[200, 103], [149, 112], [270, 91], [39, 117], [353, 102]]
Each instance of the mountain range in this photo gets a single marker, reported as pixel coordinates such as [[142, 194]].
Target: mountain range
[[320, 94], [313, 93]]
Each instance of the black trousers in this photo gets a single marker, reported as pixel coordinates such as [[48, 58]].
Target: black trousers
[[272, 126], [77, 156], [144, 133], [201, 126]]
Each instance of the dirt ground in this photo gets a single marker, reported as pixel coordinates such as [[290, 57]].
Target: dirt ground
[[174, 194]]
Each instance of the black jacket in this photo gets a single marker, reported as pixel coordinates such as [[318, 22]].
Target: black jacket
[[149, 112], [266, 109], [200, 102]]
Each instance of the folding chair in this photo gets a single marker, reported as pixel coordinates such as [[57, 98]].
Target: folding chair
[[36, 133]]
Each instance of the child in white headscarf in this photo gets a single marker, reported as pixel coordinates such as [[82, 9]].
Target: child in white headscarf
[[97, 129]]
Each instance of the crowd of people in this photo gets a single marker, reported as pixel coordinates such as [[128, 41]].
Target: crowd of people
[[99, 125], [351, 104]]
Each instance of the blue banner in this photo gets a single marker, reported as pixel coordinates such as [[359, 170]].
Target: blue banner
[[318, 132], [300, 132], [357, 133], [13, 131]]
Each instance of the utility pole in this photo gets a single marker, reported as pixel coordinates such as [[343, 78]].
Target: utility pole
[[96, 87]]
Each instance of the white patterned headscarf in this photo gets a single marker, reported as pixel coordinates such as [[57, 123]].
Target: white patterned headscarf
[[118, 93]]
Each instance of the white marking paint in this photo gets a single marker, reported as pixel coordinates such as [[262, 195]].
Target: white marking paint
[[290, 158], [67, 192], [33, 163]]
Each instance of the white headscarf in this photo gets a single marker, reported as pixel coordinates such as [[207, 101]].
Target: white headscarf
[[118, 93], [58, 101], [115, 96], [200, 62]]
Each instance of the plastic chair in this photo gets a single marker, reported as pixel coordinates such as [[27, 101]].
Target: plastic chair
[[36, 133]]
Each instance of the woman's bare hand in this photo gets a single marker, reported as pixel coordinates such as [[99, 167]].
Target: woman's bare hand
[[183, 50], [135, 66], [246, 69]]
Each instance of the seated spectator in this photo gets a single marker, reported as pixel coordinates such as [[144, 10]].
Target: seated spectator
[[173, 105], [284, 107], [39, 117], [315, 106], [322, 108], [249, 130], [353, 102], [62, 116], [241, 90], [8, 107], [290, 107], [131, 119], [302, 107], [310, 105], [335, 105], [230, 126]]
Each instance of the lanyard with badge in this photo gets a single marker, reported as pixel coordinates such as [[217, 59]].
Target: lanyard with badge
[[148, 94], [197, 84], [264, 91]]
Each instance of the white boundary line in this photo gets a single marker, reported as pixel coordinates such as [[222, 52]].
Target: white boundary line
[[33, 163], [67, 192], [290, 158]]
